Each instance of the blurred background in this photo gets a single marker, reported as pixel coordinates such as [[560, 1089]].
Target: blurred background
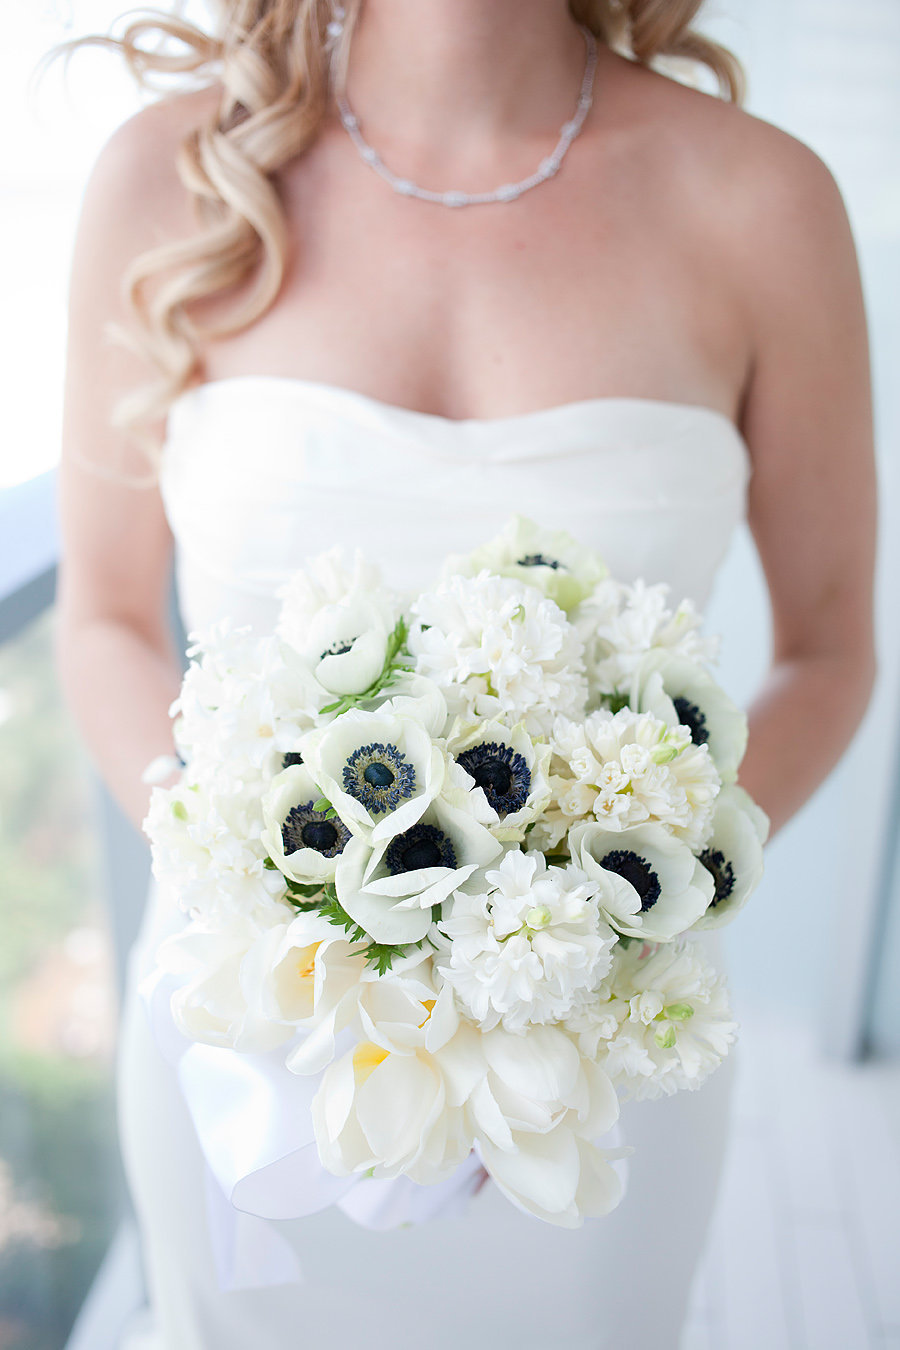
[[805, 1249]]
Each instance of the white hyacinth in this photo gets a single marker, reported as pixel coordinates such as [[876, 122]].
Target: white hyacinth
[[524, 946], [621, 623], [628, 768], [663, 1023], [499, 648]]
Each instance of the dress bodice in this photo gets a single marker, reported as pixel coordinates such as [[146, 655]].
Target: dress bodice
[[261, 472]]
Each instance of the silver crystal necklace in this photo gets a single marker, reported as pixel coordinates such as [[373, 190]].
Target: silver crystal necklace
[[507, 192]]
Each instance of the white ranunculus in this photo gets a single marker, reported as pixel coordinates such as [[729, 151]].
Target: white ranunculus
[[550, 560], [733, 854], [648, 883], [499, 649], [629, 768], [525, 946], [620, 624], [301, 841], [390, 890], [674, 1022], [378, 770], [508, 768], [677, 690]]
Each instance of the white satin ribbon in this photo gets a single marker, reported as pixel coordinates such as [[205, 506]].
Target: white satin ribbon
[[253, 1122]]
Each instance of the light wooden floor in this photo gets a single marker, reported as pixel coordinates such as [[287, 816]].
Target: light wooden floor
[[804, 1253]]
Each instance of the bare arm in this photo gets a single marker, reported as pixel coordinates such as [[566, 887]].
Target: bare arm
[[115, 659], [812, 508]]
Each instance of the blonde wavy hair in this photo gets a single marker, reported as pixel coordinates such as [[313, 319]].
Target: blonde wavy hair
[[277, 77]]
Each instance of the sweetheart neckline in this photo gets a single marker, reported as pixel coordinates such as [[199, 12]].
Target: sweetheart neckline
[[293, 382]]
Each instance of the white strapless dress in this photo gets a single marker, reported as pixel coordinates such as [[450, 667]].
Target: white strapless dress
[[259, 473]]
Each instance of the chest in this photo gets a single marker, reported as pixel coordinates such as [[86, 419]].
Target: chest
[[601, 282]]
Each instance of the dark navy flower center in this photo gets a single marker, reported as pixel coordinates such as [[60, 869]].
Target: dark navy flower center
[[502, 772], [379, 777], [691, 716], [420, 846], [637, 872], [538, 560], [338, 648], [715, 862], [305, 828], [292, 757]]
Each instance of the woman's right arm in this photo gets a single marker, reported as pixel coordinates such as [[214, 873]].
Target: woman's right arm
[[115, 657]]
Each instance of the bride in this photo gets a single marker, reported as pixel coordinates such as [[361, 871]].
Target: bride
[[643, 327]]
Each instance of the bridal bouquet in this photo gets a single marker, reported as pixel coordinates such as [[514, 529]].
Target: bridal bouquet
[[442, 861]]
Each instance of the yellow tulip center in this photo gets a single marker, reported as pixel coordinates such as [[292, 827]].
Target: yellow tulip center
[[306, 960], [366, 1058]]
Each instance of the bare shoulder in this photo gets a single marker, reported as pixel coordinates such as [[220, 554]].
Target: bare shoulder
[[134, 181], [133, 201], [754, 182]]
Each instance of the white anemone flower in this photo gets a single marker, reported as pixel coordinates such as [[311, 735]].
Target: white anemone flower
[[379, 771], [628, 768], [733, 855], [303, 843], [551, 560], [390, 890], [674, 1022], [499, 649], [508, 768], [680, 691], [346, 643], [526, 945], [649, 884]]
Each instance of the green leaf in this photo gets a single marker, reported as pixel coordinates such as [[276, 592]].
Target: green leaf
[[323, 804], [179, 810], [300, 888], [381, 955], [617, 701], [334, 911]]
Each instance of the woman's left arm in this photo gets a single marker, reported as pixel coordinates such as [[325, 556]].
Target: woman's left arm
[[807, 417]]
